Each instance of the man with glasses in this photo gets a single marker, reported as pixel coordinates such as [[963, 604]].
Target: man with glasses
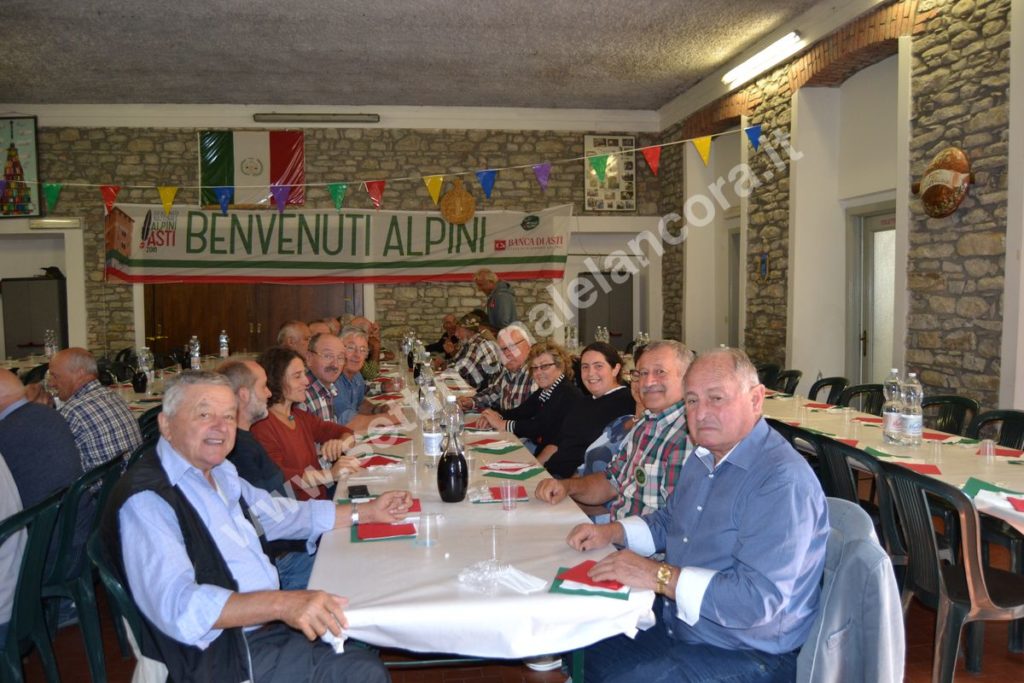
[[344, 362], [642, 475], [515, 383]]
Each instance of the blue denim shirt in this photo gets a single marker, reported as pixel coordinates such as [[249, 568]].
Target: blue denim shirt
[[351, 393]]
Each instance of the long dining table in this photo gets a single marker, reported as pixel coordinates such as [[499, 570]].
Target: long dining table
[[409, 596], [990, 480]]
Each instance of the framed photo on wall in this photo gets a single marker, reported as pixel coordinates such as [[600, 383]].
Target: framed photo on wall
[[618, 190], [19, 186]]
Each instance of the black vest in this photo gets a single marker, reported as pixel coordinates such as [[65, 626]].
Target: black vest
[[226, 660]]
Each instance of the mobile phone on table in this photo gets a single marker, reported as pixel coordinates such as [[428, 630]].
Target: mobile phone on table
[[358, 493]]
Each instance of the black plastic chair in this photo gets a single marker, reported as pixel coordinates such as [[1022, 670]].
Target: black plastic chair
[[1005, 427], [69, 575], [35, 375], [948, 412], [767, 372], [28, 623], [787, 380], [869, 397], [148, 424], [835, 386], [962, 592]]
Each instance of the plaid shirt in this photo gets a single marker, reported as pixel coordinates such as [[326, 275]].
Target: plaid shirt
[[480, 363], [508, 392], [102, 423], [645, 471], [319, 398]]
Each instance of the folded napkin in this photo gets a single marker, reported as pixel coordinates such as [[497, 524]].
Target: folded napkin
[[849, 442], [336, 642], [496, 449], [492, 494], [385, 440], [488, 442], [1002, 501], [481, 430], [385, 397], [818, 406], [973, 486], [1005, 452], [382, 531], [1017, 503], [519, 476], [509, 466], [878, 453], [869, 420], [378, 460], [564, 583], [387, 429], [921, 468], [934, 436]]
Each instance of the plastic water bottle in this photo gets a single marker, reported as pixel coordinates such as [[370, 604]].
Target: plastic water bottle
[[892, 409], [913, 418], [453, 415], [431, 423], [222, 342], [193, 353], [50, 343]]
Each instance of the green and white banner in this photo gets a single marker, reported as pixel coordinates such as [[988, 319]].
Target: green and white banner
[[145, 244]]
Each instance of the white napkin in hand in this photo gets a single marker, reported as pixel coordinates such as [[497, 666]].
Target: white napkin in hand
[[336, 642]]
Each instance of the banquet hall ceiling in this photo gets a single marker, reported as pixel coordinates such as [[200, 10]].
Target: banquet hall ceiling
[[596, 54]]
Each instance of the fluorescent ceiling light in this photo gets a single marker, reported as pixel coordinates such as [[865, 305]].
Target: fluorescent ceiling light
[[275, 117], [763, 60], [55, 224]]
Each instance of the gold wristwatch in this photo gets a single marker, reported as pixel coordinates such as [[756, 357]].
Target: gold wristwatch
[[664, 576]]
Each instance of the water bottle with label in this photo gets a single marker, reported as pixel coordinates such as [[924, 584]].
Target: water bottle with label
[[431, 422], [913, 417], [892, 409], [222, 342], [195, 361]]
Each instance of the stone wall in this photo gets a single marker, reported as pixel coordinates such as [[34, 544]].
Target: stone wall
[[956, 264], [140, 159], [672, 279]]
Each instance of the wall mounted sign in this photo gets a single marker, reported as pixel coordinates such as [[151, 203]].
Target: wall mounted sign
[[19, 186], [944, 183], [616, 191]]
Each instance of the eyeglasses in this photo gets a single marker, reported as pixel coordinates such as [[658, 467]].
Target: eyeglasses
[[642, 375], [542, 366], [362, 350], [329, 357], [510, 347]]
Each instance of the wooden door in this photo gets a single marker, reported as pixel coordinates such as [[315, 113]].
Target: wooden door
[[277, 304]]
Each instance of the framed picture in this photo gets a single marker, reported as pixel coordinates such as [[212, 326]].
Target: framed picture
[[615, 193], [19, 187]]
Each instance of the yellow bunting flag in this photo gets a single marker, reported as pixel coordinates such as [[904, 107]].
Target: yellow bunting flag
[[433, 183], [167, 193], [703, 146]]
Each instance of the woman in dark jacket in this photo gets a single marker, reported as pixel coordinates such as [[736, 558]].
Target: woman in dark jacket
[[538, 420], [609, 399]]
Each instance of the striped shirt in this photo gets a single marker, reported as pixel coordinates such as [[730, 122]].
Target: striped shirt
[[509, 391], [103, 425], [319, 398], [543, 397], [646, 470]]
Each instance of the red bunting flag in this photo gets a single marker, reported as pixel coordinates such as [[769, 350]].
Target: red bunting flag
[[653, 156], [109, 193], [375, 188]]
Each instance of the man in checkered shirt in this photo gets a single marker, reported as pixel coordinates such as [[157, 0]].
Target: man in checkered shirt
[[514, 384], [101, 421], [478, 363], [642, 475]]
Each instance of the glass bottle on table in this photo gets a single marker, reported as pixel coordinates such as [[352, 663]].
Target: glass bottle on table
[[892, 409], [431, 423], [222, 343], [452, 469], [195, 361]]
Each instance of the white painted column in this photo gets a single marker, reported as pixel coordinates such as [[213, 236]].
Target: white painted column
[[904, 113]]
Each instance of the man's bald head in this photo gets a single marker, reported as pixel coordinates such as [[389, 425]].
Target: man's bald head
[[11, 388], [71, 369]]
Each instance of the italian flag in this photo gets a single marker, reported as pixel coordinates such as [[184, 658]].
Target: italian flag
[[250, 162]]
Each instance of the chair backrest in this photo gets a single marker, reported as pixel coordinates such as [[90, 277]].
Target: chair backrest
[[100, 558], [767, 372], [856, 570], [1010, 424], [870, 396], [148, 424], [36, 374], [27, 611], [948, 412], [835, 386], [787, 380]]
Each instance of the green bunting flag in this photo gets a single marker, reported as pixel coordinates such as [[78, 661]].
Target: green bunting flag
[[600, 165], [338, 191], [52, 192]]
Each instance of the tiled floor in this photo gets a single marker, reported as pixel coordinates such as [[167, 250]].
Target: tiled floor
[[999, 665]]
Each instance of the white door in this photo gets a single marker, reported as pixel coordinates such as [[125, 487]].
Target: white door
[[876, 295]]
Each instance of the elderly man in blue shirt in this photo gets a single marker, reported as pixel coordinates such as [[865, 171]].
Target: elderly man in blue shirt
[[187, 533], [744, 536]]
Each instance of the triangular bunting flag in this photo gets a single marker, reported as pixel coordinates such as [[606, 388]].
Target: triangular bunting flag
[[486, 179], [375, 188], [653, 156], [543, 173], [600, 165], [338, 191], [280, 194], [224, 195], [167, 194], [109, 193], [52, 192], [703, 146], [434, 183], [754, 135]]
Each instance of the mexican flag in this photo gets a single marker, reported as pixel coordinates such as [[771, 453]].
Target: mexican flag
[[250, 162]]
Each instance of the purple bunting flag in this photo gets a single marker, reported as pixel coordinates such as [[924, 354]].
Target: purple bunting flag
[[543, 173], [280, 193]]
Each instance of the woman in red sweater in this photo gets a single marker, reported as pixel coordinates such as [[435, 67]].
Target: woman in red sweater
[[290, 435]]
